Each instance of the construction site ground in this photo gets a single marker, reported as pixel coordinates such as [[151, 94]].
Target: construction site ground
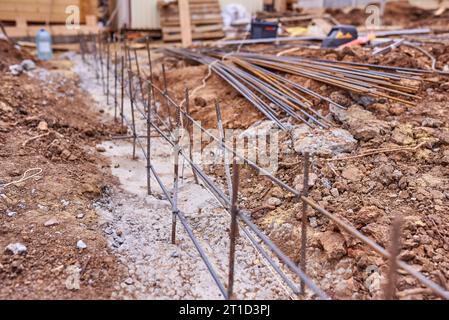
[[366, 191], [56, 118]]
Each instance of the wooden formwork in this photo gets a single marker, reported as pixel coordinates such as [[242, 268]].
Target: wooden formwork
[[205, 19]]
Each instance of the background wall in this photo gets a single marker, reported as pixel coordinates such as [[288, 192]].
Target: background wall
[[145, 14]]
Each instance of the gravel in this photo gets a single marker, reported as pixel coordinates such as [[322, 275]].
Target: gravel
[[157, 268]]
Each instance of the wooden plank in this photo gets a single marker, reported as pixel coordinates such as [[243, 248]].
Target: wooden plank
[[195, 29], [280, 5], [203, 1], [37, 10], [198, 11], [195, 17], [195, 36], [33, 17], [91, 20], [184, 18], [21, 22], [205, 19]]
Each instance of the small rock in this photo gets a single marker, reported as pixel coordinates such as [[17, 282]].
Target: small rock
[[341, 98], [373, 282], [51, 222], [80, 215], [155, 203], [200, 101], [368, 214], [174, 254], [100, 149], [81, 245], [361, 123], [334, 192], [313, 222], [129, 281], [273, 201], [322, 142], [11, 213], [431, 123], [436, 194], [65, 154], [385, 173], [333, 243], [397, 109], [73, 280], [344, 288], [299, 181], [15, 69], [5, 108], [403, 135], [16, 248], [42, 126], [28, 65], [362, 99], [119, 240], [407, 255], [352, 173]]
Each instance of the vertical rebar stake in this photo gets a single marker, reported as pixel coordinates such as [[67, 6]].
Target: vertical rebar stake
[[166, 98], [233, 228], [190, 132], [131, 100], [100, 50], [149, 140], [108, 64], [138, 76], [95, 52], [81, 41], [122, 85], [175, 174], [151, 66], [305, 192], [115, 83], [222, 137], [395, 243]]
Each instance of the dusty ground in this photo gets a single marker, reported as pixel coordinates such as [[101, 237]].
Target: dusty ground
[[139, 225], [57, 115], [368, 192], [396, 14]]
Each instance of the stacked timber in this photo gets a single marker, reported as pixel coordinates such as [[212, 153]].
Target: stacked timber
[[205, 19], [24, 18]]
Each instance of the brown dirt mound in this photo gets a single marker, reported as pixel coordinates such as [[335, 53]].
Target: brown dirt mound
[[47, 124]]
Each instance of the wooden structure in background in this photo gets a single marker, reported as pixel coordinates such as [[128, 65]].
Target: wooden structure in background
[[205, 20], [280, 5], [184, 18], [25, 18]]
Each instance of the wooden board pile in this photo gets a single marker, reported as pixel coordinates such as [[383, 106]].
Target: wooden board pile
[[205, 18], [24, 18]]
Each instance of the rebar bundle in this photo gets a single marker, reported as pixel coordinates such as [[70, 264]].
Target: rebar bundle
[[261, 80]]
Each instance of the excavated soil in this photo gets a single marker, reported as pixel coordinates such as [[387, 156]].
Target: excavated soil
[[46, 123], [368, 192], [398, 13]]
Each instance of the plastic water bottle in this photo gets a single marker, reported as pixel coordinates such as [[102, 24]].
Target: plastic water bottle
[[43, 44]]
